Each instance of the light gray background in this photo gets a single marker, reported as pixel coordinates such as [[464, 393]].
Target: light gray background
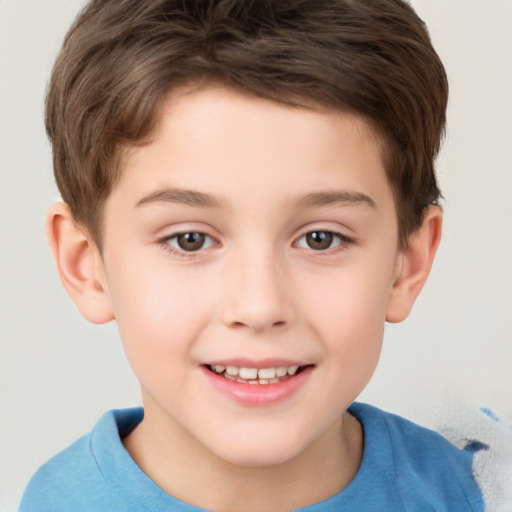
[[58, 374]]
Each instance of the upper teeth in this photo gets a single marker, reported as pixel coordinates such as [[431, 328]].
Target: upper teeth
[[255, 373]]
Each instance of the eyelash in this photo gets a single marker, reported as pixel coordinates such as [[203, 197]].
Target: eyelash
[[343, 242]]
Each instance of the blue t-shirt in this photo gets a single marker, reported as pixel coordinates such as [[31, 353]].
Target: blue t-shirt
[[404, 468]]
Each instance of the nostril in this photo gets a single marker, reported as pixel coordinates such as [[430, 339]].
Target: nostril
[[257, 315], [239, 325]]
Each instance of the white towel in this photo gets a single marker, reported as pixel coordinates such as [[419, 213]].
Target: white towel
[[491, 439]]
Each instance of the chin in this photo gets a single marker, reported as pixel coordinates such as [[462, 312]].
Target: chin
[[260, 452]]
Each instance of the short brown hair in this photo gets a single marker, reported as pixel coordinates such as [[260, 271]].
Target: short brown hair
[[121, 58]]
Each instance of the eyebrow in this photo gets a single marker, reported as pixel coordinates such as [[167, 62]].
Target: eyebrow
[[201, 199], [317, 199], [180, 196]]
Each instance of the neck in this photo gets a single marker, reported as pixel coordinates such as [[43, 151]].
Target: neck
[[194, 475]]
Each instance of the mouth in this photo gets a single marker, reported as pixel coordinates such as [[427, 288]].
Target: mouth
[[262, 376]]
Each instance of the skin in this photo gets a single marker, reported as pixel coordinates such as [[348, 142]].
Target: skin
[[255, 177]]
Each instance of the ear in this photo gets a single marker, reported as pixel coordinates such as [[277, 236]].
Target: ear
[[79, 264], [414, 264]]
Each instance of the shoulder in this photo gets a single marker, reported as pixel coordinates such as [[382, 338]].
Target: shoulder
[[410, 440], [75, 478], [422, 468], [65, 479]]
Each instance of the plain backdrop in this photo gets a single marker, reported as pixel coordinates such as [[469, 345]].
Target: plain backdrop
[[58, 374]]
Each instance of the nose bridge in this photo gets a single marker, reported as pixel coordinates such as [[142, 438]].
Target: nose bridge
[[259, 295]]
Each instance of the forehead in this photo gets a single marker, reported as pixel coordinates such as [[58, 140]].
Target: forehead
[[221, 141]]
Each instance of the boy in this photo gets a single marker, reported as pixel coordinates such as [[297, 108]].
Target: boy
[[250, 193]]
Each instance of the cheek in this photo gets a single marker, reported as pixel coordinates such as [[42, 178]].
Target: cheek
[[354, 333], [348, 313], [352, 299], [158, 317]]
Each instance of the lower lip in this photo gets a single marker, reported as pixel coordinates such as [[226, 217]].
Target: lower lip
[[258, 394]]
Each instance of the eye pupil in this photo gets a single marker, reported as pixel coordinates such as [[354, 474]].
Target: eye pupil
[[191, 241], [319, 240]]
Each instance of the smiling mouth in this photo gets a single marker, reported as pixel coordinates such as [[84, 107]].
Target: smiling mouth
[[242, 375]]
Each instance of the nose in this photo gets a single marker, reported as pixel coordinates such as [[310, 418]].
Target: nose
[[259, 294]]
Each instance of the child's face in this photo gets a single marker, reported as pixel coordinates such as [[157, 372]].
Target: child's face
[[249, 234]]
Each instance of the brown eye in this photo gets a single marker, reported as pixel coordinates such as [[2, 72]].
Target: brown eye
[[321, 240], [190, 242]]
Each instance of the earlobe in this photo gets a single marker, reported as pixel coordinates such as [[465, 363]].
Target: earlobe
[[414, 266], [79, 265]]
